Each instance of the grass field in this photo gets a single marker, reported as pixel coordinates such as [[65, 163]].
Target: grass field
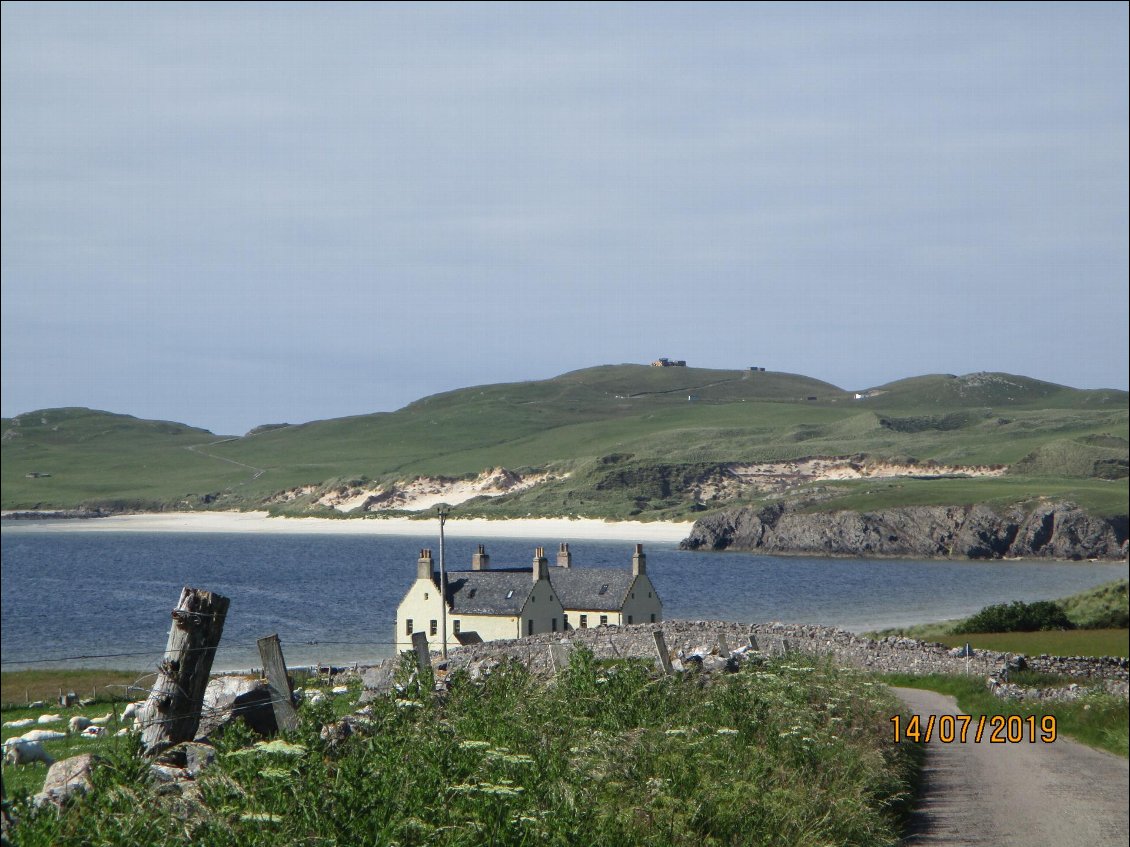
[[1099, 720], [1075, 642], [664, 424], [18, 688], [777, 754]]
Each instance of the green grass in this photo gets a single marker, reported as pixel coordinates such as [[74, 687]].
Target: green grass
[[20, 687], [1075, 642], [1106, 605], [1064, 439], [778, 754], [1099, 720]]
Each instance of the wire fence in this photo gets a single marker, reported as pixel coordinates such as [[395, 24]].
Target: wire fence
[[157, 654]]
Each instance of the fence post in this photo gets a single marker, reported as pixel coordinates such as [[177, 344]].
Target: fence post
[[661, 649], [423, 654], [559, 656], [723, 647], [274, 668], [171, 713]]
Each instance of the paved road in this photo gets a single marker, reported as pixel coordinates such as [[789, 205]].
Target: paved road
[[1060, 795]]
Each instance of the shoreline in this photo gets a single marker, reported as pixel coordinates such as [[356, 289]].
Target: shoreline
[[590, 529]]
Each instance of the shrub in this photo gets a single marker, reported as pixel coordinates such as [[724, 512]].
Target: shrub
[[1016, 617]]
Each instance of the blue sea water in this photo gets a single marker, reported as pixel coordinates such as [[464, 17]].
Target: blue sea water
[[333, 598]]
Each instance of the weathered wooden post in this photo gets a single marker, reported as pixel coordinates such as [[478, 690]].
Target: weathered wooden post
[[559, 657], [753, 643], [423, 654], [274, 669], [723, 647], [661, 650], [171, 713]]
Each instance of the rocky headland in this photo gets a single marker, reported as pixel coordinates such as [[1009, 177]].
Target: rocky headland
[[1048, 531]]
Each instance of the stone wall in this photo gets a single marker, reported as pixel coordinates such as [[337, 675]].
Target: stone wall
[[697, 640]]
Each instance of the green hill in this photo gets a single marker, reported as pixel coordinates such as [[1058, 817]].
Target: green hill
[[617, 440]]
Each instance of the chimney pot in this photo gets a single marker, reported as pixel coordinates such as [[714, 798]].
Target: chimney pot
[[639, 561], [541, 565], [564, 557]]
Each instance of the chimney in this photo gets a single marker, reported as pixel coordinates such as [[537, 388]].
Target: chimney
[[480, 559], [424, 568], [541, 565], [564, 557], [639, 561]]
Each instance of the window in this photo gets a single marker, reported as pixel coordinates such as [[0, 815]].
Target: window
[[455, 626], [408, 627], [509, 593], [426, 595], [584, 622], [604, 620], [433, 628], [603, 589], [565, 621], [629, 620], [530, 627], [633, 595], [553, 626], [653, 617]]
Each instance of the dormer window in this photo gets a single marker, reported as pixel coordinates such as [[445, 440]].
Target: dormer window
[[603, 589]]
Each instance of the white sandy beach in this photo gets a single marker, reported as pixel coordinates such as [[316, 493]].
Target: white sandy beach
[[545, 529]]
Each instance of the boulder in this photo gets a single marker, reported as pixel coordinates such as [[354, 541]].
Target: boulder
[[65, 779], [229, 698], [191, 756]]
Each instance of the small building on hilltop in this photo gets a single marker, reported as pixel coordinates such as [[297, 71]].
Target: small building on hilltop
[[664, 362], [491, 604]]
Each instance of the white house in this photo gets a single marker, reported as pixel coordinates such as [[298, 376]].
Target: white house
[[488, 604]]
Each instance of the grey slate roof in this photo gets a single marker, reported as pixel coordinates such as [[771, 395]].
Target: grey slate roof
[[504, 591], [599, 589], [493, 592]]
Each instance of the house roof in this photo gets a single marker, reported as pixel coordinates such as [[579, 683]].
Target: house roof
[[599, 589], [493, 592], [504, 591]]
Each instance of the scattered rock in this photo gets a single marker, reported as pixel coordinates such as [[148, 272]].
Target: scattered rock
[[67, 778], [229, 698]]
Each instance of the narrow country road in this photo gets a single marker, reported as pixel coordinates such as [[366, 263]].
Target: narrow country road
[[1061, 794]]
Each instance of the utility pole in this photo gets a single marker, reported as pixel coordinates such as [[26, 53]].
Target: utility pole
[[443, 513]]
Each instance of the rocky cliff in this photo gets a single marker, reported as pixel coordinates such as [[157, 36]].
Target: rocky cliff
[[1049, 531]]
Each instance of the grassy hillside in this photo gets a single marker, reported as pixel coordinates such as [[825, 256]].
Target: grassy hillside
[[622, 440]]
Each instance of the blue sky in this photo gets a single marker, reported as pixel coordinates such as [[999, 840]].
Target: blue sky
[[231, 214]]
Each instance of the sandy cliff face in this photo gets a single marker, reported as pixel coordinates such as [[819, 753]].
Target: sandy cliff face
[[1051, 531]]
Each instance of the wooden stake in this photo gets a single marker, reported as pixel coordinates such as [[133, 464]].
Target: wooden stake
[[723, 647], [274, 668], [171, 713], [661, 649], [559, 656], [423, 655]]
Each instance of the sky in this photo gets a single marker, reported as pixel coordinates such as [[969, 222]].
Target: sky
[[231, 215]]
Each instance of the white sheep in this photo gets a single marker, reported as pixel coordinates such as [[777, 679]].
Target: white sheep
[[315, 697], [102, 720], [122, 732], [130, 711], [25, 752], [19, 724], [39, 735], [49, 719], [78, 723], [339, 689], [94, 732]]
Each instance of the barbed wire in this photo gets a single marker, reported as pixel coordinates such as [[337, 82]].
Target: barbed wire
[[161, 653]]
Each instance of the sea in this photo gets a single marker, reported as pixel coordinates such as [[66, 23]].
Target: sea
[[77, 599]]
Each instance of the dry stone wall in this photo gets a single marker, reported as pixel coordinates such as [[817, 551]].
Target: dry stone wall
[[698, 642]]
